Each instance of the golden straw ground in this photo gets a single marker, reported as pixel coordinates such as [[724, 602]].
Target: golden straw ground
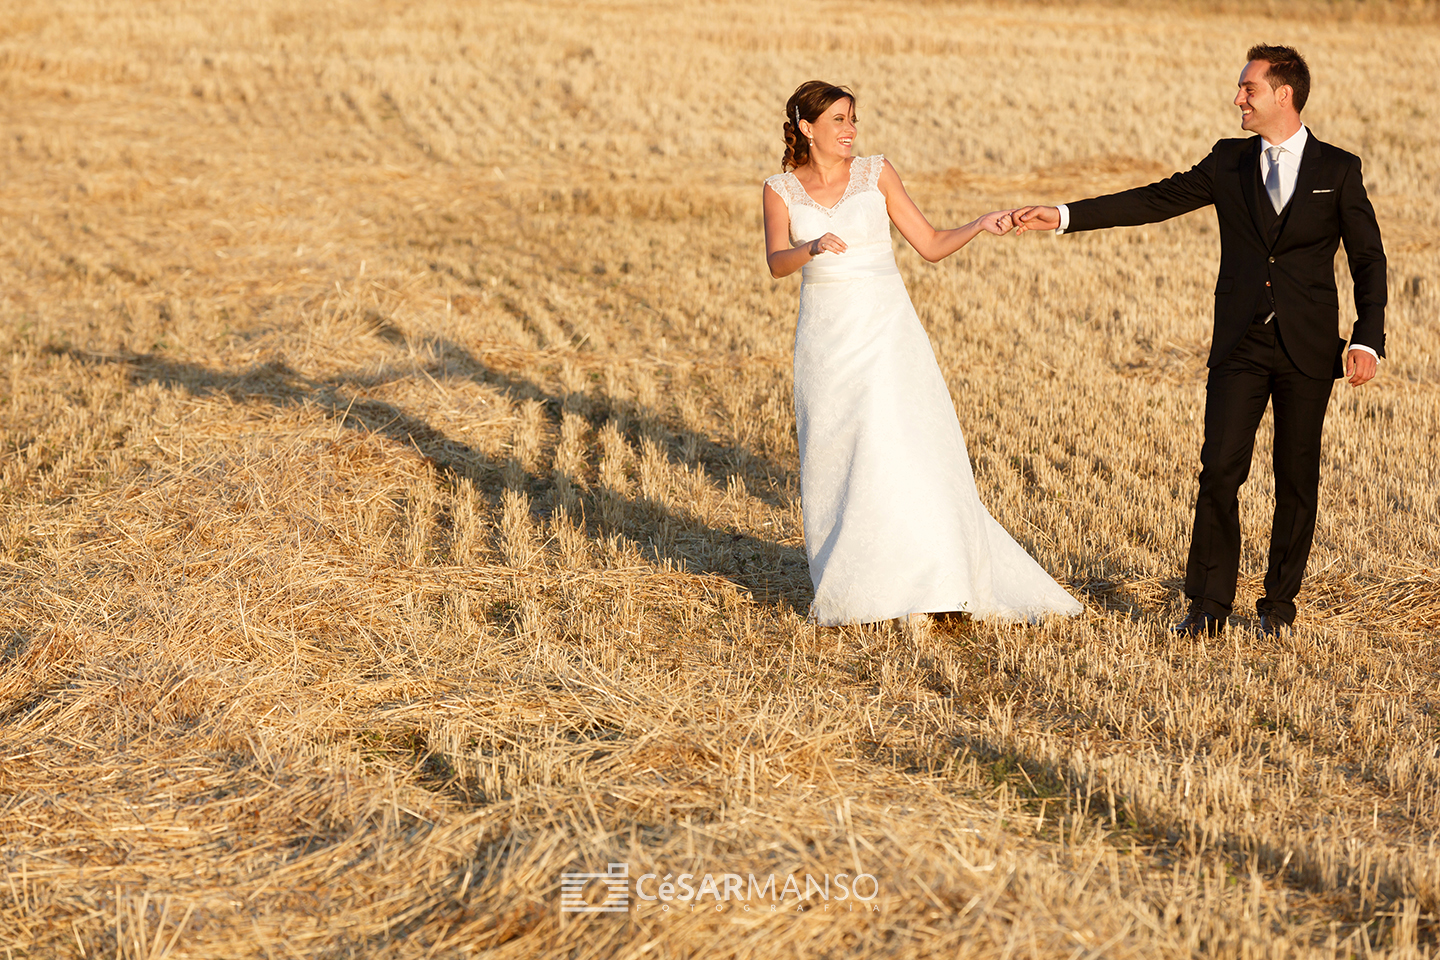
[[399, 494]]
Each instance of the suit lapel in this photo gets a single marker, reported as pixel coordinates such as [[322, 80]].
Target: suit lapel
[[1310, 162], [1250, 186]]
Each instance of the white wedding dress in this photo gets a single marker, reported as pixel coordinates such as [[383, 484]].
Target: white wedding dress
[[893, 522]]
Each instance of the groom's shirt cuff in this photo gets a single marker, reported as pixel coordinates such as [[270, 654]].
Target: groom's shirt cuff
[[1361, 346]]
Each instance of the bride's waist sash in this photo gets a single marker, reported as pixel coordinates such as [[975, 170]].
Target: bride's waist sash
[[859, 261]]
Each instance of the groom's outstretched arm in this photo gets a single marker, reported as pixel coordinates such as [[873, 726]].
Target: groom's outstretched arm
[[1167, 198], [1158, 201]]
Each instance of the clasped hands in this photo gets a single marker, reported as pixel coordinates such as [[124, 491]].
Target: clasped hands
[[1021, 220]]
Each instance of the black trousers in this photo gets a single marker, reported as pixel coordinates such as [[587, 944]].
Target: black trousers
[[1257, 371]]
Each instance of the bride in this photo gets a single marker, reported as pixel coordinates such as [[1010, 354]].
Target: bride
[[894, 526]]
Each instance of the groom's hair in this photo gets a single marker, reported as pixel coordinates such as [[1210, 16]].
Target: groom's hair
[[1287, 68]]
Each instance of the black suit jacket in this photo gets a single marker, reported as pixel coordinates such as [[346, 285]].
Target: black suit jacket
[[1284, 263]]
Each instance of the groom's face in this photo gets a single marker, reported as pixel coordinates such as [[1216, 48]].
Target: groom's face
[[1261, 108]]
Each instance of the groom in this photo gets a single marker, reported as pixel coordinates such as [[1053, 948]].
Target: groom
[[1284, 200]]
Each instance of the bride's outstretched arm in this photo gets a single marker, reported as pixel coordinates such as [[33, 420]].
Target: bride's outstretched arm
[[932, 244], [783, 257]]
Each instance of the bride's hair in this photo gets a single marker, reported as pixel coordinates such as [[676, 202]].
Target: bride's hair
[[807, 103]]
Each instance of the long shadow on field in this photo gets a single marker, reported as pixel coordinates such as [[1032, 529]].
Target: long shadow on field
[[719, 462], [771, 572]]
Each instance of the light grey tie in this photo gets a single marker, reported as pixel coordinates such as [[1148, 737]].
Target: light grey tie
[[1272, 179]]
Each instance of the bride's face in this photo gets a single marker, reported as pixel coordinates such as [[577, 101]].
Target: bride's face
[[834, 130]]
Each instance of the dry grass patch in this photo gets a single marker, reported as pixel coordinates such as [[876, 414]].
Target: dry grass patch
[[399, 496]]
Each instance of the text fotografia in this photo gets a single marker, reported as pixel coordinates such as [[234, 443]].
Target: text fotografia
[[828, 893]]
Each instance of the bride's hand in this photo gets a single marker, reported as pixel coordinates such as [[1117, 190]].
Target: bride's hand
[[826, 244], [999, 223]]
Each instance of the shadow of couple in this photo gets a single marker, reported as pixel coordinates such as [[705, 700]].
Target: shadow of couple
[[773, 574]]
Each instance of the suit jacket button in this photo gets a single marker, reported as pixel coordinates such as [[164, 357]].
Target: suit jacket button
[[1272, 259], [1267, 283]]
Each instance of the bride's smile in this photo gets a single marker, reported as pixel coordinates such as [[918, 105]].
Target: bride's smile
[[832, 134]]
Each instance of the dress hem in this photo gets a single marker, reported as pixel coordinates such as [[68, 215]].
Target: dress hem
[[1030, 615]]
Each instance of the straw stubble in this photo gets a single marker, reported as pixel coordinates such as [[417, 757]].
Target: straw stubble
[[399, 497]]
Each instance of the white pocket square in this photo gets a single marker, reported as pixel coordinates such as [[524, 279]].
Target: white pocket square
[[1331, 190]]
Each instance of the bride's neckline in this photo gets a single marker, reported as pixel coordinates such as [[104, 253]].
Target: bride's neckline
[[849, 182]]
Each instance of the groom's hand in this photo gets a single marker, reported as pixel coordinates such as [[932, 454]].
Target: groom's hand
[[1037, 218], [1359, 367]]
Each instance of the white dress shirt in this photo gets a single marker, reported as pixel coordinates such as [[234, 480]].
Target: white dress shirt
[[1294, 149], [1289, 162]]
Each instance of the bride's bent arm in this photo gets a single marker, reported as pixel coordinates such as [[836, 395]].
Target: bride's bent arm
[[934, 245], [783, 257]]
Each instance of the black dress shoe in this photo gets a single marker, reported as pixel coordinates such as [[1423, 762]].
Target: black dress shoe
[[1198, 623], [1273, 626]]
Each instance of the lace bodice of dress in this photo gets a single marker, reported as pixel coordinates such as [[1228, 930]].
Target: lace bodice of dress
[[858, 217]]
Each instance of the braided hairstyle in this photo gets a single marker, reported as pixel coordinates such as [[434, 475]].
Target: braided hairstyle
[[807, 103]]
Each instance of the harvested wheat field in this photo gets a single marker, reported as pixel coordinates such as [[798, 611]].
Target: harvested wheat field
[[401, 498]]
